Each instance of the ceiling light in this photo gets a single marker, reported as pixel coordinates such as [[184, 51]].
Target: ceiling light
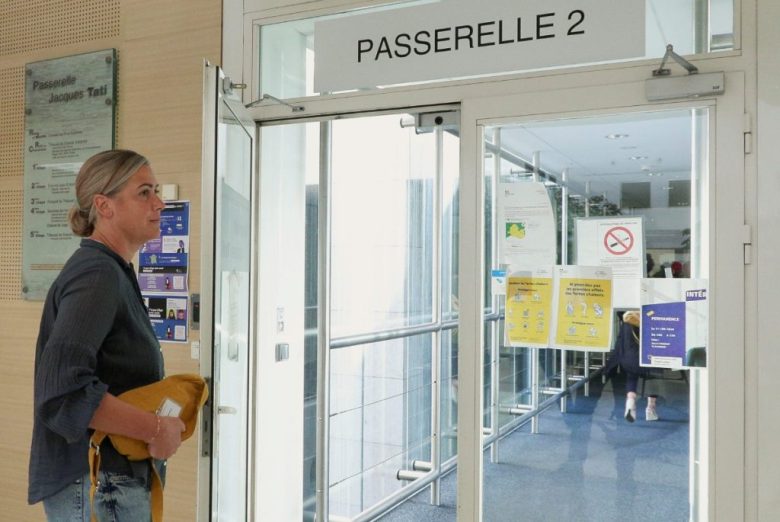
[[655, 174], [616, 136], [637, 158]]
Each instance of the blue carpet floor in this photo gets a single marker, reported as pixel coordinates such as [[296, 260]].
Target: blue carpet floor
[[589, 464]]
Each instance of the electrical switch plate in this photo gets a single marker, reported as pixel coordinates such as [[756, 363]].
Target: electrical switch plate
[[282, 352], [169, 191]]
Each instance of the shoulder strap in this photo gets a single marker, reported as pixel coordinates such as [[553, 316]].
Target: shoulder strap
[[94, 467]]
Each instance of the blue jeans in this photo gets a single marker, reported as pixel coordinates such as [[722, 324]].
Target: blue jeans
[[118, 498]]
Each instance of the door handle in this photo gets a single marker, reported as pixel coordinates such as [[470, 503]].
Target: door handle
[[226, 410]]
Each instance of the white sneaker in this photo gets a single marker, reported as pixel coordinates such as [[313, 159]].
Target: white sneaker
[[630, 414], [651, 414]]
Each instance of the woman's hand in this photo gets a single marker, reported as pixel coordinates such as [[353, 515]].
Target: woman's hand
[[167, 439]]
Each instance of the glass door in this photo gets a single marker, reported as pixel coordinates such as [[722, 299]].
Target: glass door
[[597, 154], [358, 246], [226, 311]]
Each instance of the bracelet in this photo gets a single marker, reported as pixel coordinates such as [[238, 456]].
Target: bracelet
[[157, 432]]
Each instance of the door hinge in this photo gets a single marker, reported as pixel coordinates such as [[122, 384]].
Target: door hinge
[[747, 130], [747, 244], [228, 86]]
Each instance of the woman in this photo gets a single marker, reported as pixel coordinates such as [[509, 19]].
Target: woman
[[96, 342], [626, 355]]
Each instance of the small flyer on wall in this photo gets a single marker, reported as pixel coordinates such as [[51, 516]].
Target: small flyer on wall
[[168, 315], [674, 327], [162, 273], [583, 308], [529, 308]]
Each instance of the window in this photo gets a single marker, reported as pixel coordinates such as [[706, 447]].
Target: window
[[692, 26]]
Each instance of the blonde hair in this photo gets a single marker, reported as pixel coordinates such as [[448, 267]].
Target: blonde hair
[[104, 173]]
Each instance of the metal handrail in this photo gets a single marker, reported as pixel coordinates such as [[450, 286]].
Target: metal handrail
[[415, 486], [399, 333]]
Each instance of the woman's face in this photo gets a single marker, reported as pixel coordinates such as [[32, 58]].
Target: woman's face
[[137, 208]]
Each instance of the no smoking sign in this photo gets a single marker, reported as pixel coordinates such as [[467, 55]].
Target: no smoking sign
[[618, 241]]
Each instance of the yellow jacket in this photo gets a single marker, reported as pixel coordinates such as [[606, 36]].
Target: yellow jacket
[[187, 390]]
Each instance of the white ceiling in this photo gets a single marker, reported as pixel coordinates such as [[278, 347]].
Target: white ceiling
[[652, 146]]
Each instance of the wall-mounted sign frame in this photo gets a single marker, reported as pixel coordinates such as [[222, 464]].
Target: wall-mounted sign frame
[[457, 38], [69, 111]]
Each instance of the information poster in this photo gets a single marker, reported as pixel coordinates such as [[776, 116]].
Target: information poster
[[529, 308], [616, 243], [168, 315], [68, 117], [583, 308], [163, 273], [527, 225], [162, 262], [675, 323]]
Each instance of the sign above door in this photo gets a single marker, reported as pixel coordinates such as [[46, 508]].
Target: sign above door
[[458, 38]]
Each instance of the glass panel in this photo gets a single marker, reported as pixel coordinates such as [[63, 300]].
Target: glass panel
[[450, 228], [382, 214], [380, 419], [287, 52], [449, 394], [590, 463], [231, 313], [382, 209], [289, 186], [692, 26]]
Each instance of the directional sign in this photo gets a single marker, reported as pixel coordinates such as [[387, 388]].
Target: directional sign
[[619, 241]]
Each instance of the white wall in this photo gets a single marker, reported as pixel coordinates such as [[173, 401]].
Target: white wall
[[765, 415], [279, 385]]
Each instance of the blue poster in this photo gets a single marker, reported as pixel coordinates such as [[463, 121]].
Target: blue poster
[[168, 315], [162, 262], [663, 334], [162, 273], [675, 324]]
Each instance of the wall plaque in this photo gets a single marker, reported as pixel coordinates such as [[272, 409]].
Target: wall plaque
[[69, 116]]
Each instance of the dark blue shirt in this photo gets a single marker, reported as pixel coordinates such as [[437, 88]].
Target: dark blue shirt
[[95, 337]]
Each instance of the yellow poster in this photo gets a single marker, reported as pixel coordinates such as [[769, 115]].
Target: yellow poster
[[529, 308], [583, 308]]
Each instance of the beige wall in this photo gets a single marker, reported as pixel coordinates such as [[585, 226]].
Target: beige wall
[[161, 47]]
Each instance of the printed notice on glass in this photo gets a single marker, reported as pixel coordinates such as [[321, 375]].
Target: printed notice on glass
[[616, 243], [675, 323], [526, 225], [529, 308], [583, 308], [68, 117]]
